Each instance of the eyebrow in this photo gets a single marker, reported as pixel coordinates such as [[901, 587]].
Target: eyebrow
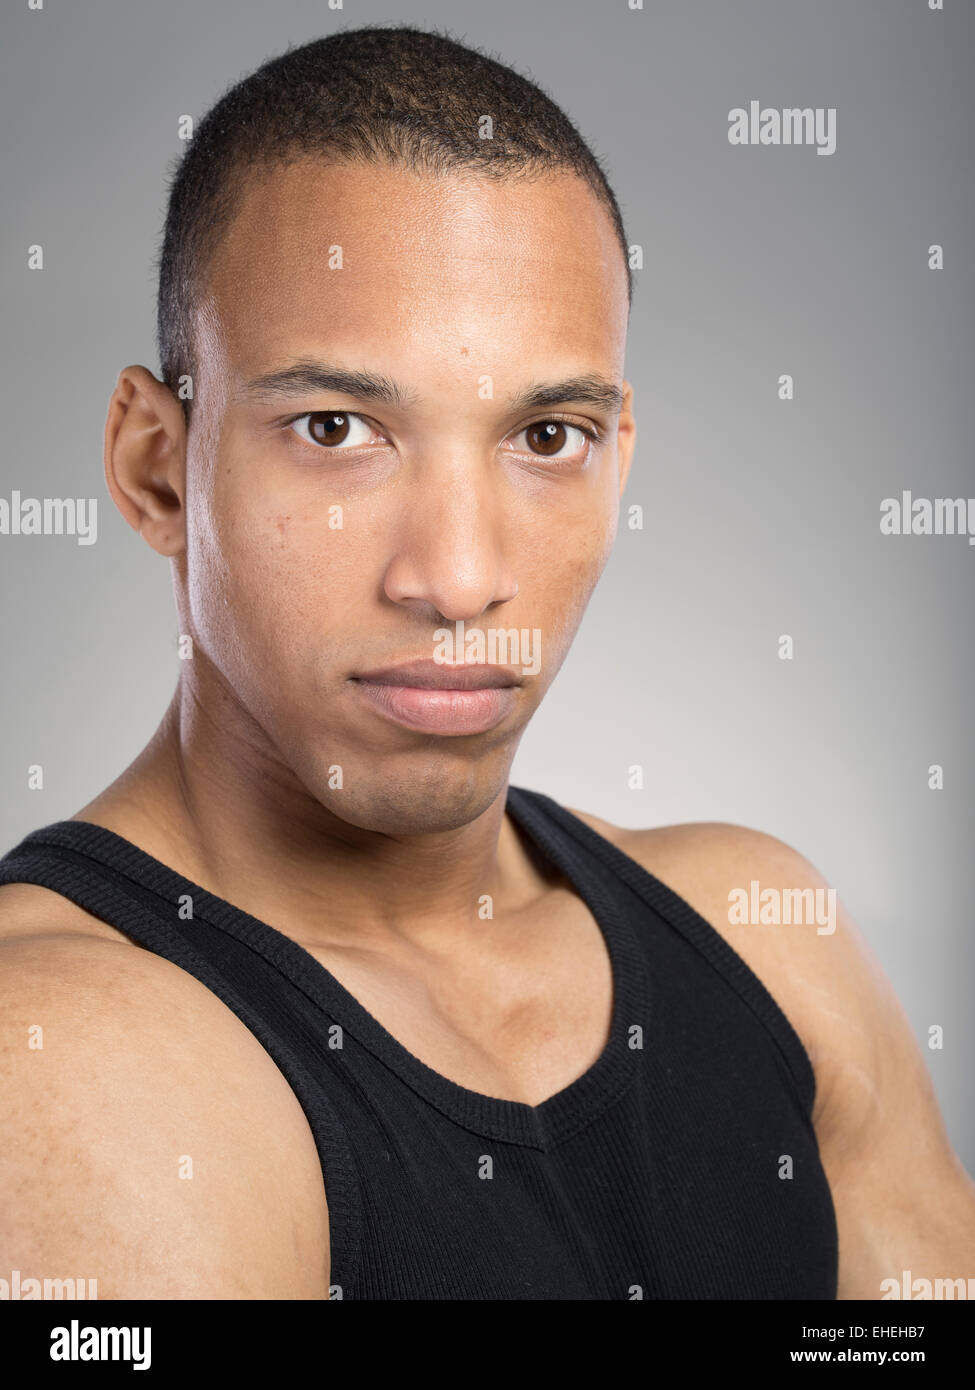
[[301, 378]]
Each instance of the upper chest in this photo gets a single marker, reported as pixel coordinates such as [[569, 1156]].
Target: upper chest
[[517, 1009]]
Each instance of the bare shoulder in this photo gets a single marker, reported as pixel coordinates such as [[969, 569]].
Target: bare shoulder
[[903, 1199], [26, 909], [147, 1139]]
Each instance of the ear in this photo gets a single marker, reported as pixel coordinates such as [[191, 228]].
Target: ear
[[626, 435], [145, 459]]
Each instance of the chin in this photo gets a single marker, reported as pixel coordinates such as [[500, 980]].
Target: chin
[[424, 799]]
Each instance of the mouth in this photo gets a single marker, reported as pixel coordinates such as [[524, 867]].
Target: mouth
[[448, 700]]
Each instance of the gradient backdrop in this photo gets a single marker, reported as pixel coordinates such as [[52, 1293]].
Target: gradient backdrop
[[761, 517]]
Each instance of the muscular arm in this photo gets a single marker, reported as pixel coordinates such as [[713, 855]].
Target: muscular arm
[[150, 1143], [903, 1199]]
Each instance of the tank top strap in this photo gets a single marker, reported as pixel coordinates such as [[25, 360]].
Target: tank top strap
[[120, 884], [556, 828]]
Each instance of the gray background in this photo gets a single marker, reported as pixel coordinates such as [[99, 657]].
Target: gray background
[[761, 517]]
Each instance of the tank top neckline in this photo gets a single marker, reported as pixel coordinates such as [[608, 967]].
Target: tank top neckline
[[538, 1126]]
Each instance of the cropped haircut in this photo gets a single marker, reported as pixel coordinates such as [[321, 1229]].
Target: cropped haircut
[[398, 95]]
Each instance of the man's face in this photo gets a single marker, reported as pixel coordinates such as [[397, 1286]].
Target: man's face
[[332, 534]]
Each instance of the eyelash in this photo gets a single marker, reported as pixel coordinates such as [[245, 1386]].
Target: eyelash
[[592, 432]]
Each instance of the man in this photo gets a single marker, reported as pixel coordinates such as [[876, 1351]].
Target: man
[[327, 1009]]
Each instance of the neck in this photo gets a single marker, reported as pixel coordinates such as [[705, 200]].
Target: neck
[[210, 797]]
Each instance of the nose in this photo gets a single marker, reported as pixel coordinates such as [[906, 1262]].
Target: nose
[[449, 553]]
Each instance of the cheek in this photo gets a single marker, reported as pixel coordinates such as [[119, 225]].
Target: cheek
[[560, 579], [247, 585], [278, 592], [565, 548]]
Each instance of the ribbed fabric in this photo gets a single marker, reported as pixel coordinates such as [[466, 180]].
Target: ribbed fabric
[[655, 1175]]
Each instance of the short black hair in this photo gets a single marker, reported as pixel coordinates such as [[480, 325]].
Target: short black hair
[[390, 94]]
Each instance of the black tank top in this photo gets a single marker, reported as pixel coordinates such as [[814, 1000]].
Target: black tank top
[[682, 1165]]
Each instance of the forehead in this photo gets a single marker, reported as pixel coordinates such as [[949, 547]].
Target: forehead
[[368, 256]]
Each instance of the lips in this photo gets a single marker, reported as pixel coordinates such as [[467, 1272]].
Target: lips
[[440, 699]]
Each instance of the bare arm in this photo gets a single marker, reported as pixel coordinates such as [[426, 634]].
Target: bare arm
[[146, 1138]]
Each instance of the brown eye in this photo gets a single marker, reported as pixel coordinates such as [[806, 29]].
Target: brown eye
[[328, 427], [547, 437]]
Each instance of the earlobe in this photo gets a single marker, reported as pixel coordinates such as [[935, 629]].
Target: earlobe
[[145, 459]]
